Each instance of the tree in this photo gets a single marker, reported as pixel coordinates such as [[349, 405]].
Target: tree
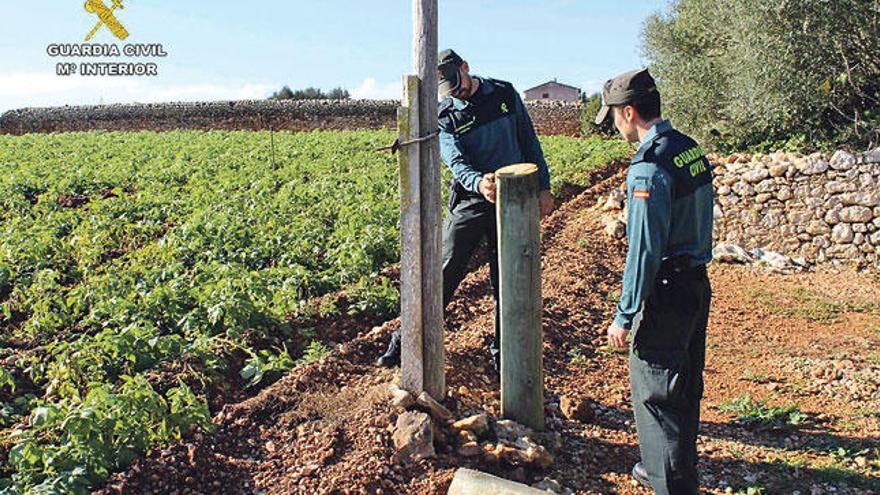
[[284, 94], [742, 72], [310, 93], [589, 109]]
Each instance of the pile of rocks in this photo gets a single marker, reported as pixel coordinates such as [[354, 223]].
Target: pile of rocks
[[424, 425]]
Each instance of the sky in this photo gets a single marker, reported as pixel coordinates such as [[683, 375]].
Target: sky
[[221, 49]]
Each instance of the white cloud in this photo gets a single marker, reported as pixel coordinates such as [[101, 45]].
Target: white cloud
[[36, 89], [369, 89]]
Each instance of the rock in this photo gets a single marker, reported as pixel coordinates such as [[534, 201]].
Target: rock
[[856, 214], [615, 201], [773, 260], [401, 398], [469, 482], [478, 424], [615, 229], [842, 233], [576, 410], [756, 175], [470, 449], [552, 486], [784, 194], [811, 166], [465, 436], [817, 227], [777, 170], [730, 253], [860, 198], [717, 212], [413, 437], [506, 429], [438, 411], [832, 217], [842, 160], [537, 455]]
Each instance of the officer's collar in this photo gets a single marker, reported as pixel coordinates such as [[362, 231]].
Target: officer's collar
[[655, 131], [484, 89]]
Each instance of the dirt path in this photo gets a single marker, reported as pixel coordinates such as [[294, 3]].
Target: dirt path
[[810, 342]]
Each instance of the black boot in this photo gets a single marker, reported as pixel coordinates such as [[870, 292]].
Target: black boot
[[391, 358], [640, 475]]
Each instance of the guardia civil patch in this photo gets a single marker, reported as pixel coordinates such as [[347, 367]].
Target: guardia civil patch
[[641, 194]]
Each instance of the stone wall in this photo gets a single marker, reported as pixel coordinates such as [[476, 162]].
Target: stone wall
[[818, 207], [549, 118]]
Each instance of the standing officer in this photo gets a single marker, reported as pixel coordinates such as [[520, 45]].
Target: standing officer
[[666, 293], [483, 126]]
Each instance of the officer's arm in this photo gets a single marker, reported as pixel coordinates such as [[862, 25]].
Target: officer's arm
[[528, 142], [454, 157], [649, 190]]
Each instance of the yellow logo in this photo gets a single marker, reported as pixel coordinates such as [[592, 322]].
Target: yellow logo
[[504, 108], [106, 18]]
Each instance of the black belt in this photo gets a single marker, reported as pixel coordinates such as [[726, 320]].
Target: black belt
[[680, 267]]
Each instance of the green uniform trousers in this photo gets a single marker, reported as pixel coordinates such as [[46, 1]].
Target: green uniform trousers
[[667, 357], [471, 219]]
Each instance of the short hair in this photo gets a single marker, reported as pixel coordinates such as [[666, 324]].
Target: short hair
[[648, 107]]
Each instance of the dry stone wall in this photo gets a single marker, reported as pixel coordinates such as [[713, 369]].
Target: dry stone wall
[[549, 118], [817, 207]]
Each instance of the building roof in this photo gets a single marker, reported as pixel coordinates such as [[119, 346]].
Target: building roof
[[554, 81]]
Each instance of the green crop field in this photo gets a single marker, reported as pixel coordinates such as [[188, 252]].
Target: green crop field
[[126, 255]]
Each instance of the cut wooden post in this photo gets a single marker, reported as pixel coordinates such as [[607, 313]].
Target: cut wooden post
[[519, 262], [421, 298]]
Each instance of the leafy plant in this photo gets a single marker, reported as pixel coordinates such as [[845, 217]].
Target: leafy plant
[[313, 353], [183, 251], [755, 412]]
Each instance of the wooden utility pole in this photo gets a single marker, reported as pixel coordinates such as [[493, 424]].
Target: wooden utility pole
[[519, 263], [421, 292]]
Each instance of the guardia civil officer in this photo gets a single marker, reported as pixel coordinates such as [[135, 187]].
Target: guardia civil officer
[[666, 294], [483, 126]]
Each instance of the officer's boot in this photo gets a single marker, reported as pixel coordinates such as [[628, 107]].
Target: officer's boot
[[391, 357]]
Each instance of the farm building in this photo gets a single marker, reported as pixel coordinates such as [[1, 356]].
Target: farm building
[[553, 90]]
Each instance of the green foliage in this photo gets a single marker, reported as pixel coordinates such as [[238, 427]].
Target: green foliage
[[310, 93], [6, 380], [571, 160], [265, 362], [190, 247], [73, 445], [313, 353], [589, 111], [374, 295], [755, 412], [745, 72]]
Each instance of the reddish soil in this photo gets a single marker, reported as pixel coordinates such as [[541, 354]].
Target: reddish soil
[[808, 339]]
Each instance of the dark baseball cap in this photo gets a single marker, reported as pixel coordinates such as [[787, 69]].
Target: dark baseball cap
[[624, 89], [448, 80]]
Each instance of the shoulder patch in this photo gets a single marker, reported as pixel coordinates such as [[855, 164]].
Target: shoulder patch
[[641, 194]]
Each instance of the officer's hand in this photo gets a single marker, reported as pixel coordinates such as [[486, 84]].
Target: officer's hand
[[617, 335], [546, 201], [487, 187]]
